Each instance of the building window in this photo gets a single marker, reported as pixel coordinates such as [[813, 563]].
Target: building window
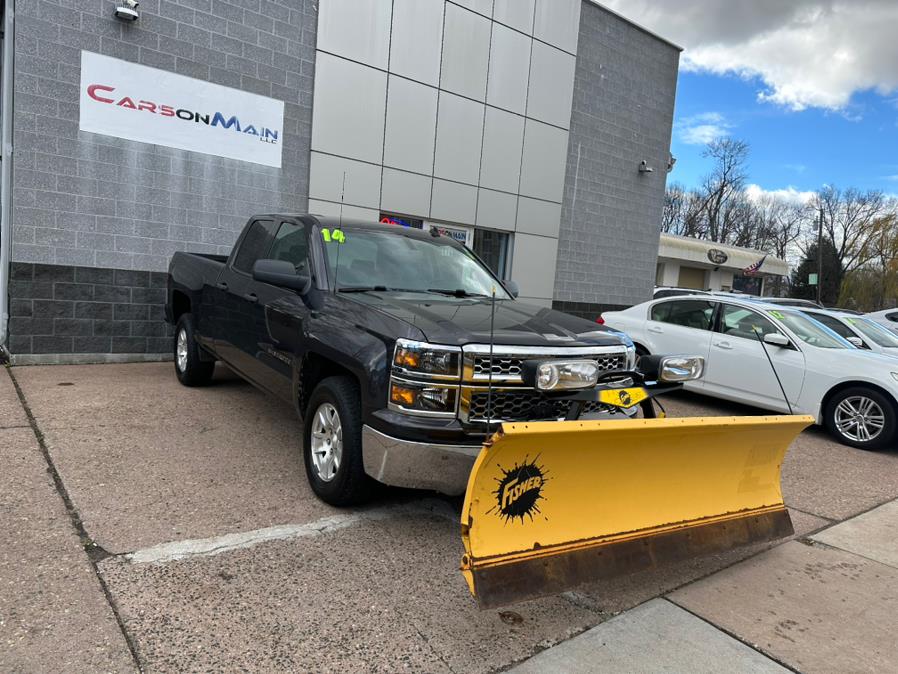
[[492, 248]]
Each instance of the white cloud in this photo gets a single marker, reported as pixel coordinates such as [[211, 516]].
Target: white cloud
[[702, 129], [808, 53], [788, 194]]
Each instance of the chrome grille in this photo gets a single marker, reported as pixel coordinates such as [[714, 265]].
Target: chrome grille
[[525, 405], [509, 367]]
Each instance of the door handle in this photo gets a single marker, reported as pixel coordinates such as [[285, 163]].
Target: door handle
[[221, 285], [656, 330], [726, 346], [251, 297]]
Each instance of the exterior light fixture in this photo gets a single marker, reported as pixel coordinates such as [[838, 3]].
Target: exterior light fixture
[[127, 11], [644, 167]]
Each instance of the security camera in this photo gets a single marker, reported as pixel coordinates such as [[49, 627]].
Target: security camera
[[127, 11], [644, 167], [671, 163]]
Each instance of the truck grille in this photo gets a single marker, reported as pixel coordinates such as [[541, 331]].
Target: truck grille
[[525, 405], [509, 367]]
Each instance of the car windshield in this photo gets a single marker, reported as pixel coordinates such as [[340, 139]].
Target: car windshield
[[391, 261], [810, 331], [873, 331]]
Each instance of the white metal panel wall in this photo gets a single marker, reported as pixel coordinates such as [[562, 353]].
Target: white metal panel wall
[[448, 110]]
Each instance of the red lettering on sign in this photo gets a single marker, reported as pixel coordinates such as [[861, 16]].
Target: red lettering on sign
[[94, 88], [126, 102]]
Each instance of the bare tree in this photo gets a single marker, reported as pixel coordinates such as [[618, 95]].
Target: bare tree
[[723, 189], [849, 218]]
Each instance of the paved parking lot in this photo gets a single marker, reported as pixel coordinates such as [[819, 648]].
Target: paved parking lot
[[207, 550]]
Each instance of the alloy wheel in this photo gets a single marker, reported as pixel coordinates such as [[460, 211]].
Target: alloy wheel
[[859, 418], [181, 350], [327, 442]]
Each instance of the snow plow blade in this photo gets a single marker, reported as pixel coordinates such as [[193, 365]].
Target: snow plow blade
[[550, 505]]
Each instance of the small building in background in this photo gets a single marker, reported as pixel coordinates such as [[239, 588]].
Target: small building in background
[[685, 262]]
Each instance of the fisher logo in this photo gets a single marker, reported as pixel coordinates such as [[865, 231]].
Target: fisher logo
[[624, 398], [520, 490]]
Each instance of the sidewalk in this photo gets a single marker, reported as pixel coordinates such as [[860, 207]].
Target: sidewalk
[[822, 604]]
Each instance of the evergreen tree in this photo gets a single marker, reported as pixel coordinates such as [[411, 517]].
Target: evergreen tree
[[832, 275]]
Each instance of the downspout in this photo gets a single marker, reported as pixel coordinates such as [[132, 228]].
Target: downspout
[[6, 155]]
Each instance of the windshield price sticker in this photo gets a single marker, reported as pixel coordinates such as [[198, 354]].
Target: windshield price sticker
[[776, 314], [336, 235]]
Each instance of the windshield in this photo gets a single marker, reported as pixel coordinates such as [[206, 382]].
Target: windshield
[[810, 331], [873, 331], [388, 261]]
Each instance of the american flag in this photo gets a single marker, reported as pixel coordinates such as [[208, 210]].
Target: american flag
[[753, 268]]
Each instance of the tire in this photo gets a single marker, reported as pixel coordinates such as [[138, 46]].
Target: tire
[[850, 406], [332, 443], [189, 366]]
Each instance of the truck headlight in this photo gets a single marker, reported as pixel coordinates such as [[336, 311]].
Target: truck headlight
[[555, 375], [423, 399], [680, 368], [428, 360]]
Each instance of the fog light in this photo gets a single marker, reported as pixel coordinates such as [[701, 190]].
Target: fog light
[[566, 374]]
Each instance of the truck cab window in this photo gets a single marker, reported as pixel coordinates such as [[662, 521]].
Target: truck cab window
[[291, 245], [254, 245]]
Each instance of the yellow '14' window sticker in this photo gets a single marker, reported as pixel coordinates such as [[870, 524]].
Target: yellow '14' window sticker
[[336, 235], [777, 314]]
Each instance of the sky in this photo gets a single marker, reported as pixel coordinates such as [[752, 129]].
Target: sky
[[811, 85]]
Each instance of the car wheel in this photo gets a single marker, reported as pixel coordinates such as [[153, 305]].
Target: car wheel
[[191, 369], [333, 443], [861, 417]]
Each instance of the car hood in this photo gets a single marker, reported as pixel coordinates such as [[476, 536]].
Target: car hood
[[458, 321]]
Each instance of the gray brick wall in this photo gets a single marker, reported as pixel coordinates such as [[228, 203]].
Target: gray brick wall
[[85, 200], [624, 90], [65, 310]]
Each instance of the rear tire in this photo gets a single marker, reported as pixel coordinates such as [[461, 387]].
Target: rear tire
[[861, 417], [332, 443], [189, 366]]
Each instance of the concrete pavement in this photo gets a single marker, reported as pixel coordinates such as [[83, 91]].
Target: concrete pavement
[[213, 553]]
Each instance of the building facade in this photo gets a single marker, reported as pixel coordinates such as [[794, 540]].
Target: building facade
[[524, 128]]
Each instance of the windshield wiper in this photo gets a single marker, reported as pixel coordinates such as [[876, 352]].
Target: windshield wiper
[[362, 289], [458, 292]]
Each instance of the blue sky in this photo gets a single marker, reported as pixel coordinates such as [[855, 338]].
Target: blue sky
[[803, 149]]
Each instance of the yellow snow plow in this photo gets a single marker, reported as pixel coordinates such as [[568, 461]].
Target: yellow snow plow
[[552, 504]]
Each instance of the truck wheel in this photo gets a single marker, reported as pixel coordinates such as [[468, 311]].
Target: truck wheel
[[333, 443], [190, 368], [861, 417]]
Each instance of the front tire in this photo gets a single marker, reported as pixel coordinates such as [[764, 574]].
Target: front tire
[[861, 417], [332, 447], [189, 366]]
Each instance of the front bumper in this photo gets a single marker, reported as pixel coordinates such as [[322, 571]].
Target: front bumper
[[417, 465]]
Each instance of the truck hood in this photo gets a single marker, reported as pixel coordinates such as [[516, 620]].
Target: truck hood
[[458, 321]]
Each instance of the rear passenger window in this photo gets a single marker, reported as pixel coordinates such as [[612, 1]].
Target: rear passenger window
[[688, 313], [254, 246]]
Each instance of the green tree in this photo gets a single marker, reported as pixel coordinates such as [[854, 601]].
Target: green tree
[[832, 274]]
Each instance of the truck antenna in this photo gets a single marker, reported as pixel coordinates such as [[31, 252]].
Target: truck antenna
[[489, 385], [775, 374], [340, 226]]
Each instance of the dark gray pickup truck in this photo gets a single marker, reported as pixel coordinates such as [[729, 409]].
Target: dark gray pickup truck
[[379, 336]]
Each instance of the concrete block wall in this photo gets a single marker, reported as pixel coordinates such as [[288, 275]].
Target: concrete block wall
[[624, 91], [87, 201]]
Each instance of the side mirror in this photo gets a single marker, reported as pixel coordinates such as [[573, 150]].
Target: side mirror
[[281, 273], [511, 287], [776, 339], [858, 342]]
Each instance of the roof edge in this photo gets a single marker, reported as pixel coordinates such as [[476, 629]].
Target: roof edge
[[636, 25]]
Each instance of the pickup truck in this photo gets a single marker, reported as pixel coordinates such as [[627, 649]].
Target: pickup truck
[[398, 348]]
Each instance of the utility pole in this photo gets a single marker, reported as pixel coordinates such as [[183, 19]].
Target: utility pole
[[820, 256]]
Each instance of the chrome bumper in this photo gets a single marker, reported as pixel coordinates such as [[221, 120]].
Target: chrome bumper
[[417, 465]]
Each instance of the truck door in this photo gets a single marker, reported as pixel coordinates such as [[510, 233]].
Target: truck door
[[233, 328]]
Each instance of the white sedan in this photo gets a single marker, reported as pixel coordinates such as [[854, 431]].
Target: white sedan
[[853, 392], [888, 318], [861, 331]]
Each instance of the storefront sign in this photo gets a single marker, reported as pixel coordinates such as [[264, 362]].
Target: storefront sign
[[131, 101], [717, 256], [460, 235]]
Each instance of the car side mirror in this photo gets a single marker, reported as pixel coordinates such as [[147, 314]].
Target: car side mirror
[[776, 339], [857, 341], [282, 274], [511, 287]]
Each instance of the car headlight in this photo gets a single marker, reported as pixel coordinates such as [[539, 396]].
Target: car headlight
[[631, 356], [427, 360], [681, 368], [423, 399], [555, 375]]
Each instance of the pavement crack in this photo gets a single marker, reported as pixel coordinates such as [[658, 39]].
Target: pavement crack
[[95, 553]]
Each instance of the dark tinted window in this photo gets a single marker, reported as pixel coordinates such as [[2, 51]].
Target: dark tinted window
[[833, 324], [291, 245], [688, 313], [254, 246], [741, 322], [893, 317]]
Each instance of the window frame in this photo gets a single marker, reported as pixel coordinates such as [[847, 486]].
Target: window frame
[[718, 328], [715, 310]]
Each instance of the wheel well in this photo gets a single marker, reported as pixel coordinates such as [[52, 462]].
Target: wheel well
[[855, 384], [314, 369], [640, 349], [180, 304]]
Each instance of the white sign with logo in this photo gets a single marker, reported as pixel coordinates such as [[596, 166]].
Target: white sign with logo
[[127, 100]]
